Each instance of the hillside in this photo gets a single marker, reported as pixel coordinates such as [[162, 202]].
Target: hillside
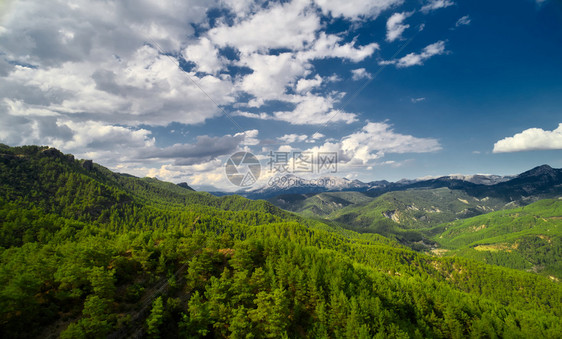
[[318, 205], [395, 214], [90, 253], [527, 238], [397, 210]]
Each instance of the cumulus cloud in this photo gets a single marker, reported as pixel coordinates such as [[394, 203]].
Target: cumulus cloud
[[530, 140], [99, 63], [305, 85], [148, 88], [93, 78], [293, 138], [356, 9], [250, 137], [271, 75], [290, 25], [329, 46], [314, 110], [373, 141], [360, 73], [433, 5], [416, 59], [205, 56], [395, 26], [309, 109]]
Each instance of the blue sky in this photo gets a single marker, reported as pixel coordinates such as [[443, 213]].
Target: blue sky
[[397, 89]]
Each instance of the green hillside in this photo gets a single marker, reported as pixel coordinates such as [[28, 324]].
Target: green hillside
[[87, 253], [417, 208], [528, 237], [318, 205], [398, 214]]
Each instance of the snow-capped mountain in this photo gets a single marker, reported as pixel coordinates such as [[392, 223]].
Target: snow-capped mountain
[[481, 179], [290, 183]]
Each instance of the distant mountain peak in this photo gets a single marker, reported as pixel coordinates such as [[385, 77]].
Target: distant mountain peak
[[538, 171], [185, 185]]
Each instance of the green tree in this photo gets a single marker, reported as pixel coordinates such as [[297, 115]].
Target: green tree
[[155, 319]]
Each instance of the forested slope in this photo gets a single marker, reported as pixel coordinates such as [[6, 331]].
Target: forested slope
[[527, 237], [90, 253]]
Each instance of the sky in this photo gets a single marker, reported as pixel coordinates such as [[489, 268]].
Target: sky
[[392, 89]]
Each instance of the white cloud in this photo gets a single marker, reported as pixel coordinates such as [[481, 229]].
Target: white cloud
[[356, 9], [415, 59], [416, 100], [250, 137], [242, 7], [292, 138], [305, 85], [328, 46], [291, 25], [83, 76], [333, 78], [308, 109], [51, 33], [317, 136], [148, 88], [463, 21], [395, 26], [360, 73], [271, 75], [91, 139], [91, 62], [531, 139], [314, 110], [206, 173], [373, 141], [205, 56], [432, 5]]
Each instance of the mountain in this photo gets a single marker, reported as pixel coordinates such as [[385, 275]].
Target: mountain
[[480, 179], [185, 185], [318, 205], [538, 183], [292, 184], [399, 214], [398, 209], [89, 253]]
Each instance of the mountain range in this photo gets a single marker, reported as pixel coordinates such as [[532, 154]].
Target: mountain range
[[538, 183], [412, 212], [292, 184]]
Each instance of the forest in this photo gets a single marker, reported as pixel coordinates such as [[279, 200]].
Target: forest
[[89, 253]]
